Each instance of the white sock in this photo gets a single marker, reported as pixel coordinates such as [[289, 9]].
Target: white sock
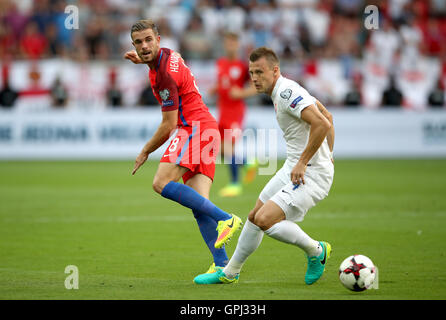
[[249, 240], [289, 232]]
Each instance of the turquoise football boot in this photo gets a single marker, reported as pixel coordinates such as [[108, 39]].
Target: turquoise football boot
[[316, 265], [216, 277]]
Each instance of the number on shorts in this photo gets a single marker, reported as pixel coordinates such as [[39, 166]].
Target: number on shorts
[[174, 144]]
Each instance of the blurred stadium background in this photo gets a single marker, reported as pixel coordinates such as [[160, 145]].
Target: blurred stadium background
[[46, 68]]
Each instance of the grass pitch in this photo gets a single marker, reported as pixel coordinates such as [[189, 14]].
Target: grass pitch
[[130, 243]]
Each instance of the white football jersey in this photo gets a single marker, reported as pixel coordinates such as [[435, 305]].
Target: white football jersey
[[289, 99]]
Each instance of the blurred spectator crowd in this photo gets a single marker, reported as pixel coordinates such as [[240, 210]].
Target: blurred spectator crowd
[[323, 44]]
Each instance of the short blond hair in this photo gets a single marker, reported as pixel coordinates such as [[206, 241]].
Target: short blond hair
[[268, 53]]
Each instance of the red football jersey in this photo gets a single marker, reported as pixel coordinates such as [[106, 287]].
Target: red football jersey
[[230, 73], [174, 87]]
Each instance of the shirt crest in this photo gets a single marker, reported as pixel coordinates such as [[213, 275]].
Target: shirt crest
[[286, 94], [164, 94]]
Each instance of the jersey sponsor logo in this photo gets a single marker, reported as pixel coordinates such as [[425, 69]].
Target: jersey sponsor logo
[[286, 94], [295, 102], [164, 94]]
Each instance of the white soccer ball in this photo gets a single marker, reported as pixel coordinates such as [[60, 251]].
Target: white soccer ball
[[357, 273]]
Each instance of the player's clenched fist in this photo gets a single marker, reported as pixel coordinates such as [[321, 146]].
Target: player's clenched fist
[[298, 173], [132, 56]]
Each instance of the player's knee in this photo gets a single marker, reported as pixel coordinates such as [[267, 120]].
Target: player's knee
[[262, 221], [159, 184], [253, 212], [252, 215]]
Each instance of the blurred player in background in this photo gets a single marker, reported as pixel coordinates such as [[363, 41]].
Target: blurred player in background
[[232, 76], [304, 180], [192, 152]]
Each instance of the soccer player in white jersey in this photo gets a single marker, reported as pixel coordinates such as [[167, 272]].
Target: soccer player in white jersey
[[304, 180]]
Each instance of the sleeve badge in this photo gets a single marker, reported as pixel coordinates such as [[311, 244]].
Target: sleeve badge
[[286, 94], [164, 94]]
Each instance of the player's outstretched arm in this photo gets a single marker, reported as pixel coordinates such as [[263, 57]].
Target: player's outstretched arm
[[132, 56], [242, 93], [161, 135]]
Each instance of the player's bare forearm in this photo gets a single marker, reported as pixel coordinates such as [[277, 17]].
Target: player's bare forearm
[[319, 128], [161, 135], [242, 93], [168, 124], [329, 116], [318, 132], [249, 91]]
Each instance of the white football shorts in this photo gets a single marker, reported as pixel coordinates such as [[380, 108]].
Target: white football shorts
[[295, 201]]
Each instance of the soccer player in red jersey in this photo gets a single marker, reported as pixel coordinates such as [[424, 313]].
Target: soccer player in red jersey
[[191, 154], [232, 76]]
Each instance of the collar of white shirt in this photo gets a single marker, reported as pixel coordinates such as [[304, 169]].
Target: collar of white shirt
[[276, 87]]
